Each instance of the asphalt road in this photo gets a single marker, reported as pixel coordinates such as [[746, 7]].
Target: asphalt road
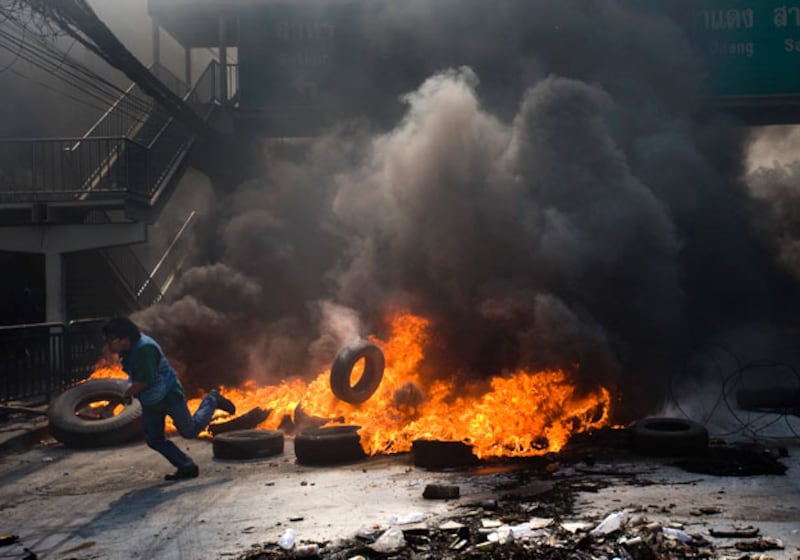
[[114, 504]]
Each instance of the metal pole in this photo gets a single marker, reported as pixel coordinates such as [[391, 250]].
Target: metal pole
[[223, 58], [188, 67], [55, 304]]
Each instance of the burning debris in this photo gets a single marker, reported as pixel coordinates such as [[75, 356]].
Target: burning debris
[[521, 414], [544, 209], [532, 261]]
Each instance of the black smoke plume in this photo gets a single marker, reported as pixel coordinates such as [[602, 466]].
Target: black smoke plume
[[534, 177]]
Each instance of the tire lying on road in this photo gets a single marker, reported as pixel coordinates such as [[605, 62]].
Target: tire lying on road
[[438, 454], [93, 414], [248, 444], [342, 368], [668, 437], [329, 446]]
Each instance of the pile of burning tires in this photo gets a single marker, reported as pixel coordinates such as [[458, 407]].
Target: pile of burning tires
[[94, 414]]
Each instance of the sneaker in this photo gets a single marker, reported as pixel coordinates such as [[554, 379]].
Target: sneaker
[[223, 403], [183, 473]]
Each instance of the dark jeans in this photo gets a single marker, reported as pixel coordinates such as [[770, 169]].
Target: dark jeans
[[188, 426]]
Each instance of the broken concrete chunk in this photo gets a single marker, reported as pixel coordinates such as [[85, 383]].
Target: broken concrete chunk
[[441, 492], [748, 532], [451, 526], [711, 510], [540, 522], [761, 544], [407, 519], [575, 526]]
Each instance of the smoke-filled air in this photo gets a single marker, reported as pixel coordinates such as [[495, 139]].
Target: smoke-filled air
[[546, 188]]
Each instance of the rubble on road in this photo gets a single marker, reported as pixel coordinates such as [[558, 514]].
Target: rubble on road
[[639, 539], [593, 500], [513, 528]]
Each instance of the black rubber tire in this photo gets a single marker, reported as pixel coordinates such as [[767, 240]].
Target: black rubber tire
[[248, 444], [77, 431], [437, 454], [329, 446], [343, 366], [668, 437]]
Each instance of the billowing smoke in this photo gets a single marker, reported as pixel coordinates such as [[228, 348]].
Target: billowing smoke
[[544, 192]]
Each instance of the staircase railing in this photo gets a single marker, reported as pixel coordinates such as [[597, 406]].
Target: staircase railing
[[163, 272], [132, 151], [97, 167], [149, 287]]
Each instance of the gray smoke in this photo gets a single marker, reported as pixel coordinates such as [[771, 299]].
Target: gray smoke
[[544, 193]]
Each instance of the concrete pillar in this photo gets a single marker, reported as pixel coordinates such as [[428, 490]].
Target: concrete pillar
[[55, 300], [55, 240], [156, 43], [223, 58]]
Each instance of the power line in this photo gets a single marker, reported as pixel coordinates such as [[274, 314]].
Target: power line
[[15, 55], [44, 55], [76, 19], [49, 55]]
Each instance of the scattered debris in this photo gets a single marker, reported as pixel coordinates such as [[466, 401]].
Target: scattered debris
[[286, 540], [472, 534], [441, 492], [610, 524], [6, 540], [759, 545], [414, 517], [306, 550], [672, 533], [735, 533], [391, 540]]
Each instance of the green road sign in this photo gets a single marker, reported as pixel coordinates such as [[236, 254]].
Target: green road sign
[[293, 54], [752, 46], [303, 53]]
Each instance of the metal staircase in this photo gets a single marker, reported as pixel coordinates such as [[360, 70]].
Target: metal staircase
[[125, 160], [122, 170]]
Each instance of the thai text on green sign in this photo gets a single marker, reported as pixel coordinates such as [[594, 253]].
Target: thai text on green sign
[[752, 46]]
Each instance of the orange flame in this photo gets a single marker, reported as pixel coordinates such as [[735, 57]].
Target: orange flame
[[105, 369], [522, 413]]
